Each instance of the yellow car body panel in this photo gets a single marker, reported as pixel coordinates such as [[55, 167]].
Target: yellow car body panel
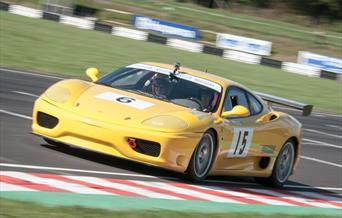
[[103, 126]]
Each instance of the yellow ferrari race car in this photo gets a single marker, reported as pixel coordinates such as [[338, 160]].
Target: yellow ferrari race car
[[175, 118]]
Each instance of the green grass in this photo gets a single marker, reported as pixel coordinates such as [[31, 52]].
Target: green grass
[[47, 46], [288, 33], [19, 209], [235, 20], [287, 37]]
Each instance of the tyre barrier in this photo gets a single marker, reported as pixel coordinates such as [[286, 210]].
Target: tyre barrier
[[103, 27], [51, 16], [190, 46]]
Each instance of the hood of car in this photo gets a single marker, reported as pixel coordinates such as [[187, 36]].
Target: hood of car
[[131, 109]]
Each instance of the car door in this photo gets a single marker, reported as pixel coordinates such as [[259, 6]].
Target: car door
[[244, 139]]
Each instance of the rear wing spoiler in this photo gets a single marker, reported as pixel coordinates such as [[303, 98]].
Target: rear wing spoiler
[[305, 108]]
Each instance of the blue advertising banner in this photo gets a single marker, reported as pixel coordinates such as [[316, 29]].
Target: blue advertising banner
[[165, 27], [320, 61]]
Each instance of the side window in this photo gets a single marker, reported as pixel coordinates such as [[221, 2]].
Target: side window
[[235, 96], [255, 105]]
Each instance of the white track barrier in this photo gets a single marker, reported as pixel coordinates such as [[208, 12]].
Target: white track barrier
[[130, 33], [185, 45], [242, 57], [77, 22], [25, 11], [301, 69]]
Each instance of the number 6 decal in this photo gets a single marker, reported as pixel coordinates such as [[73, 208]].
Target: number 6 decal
[[125, 100], [241, 142]]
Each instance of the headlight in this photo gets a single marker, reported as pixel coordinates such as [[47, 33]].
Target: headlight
[[57, 94], [167, 122]]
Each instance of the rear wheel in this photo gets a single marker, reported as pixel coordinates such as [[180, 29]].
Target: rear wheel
[[282, 167], [202, 158]]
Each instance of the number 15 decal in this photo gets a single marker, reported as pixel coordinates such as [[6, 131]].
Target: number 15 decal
[[241, 142]]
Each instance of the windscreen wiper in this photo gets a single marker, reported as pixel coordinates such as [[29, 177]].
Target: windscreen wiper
[[162, 98], [148, 95], [104, 84]]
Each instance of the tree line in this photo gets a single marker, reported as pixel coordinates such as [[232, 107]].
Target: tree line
[[331, 9]]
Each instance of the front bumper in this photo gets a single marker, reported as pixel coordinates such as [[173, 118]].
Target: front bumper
[[73, 129]]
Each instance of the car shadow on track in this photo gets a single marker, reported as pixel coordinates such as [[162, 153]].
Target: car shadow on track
[[116, 162], [167, 175]]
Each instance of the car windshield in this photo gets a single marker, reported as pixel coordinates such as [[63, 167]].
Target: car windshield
[[154, 82]]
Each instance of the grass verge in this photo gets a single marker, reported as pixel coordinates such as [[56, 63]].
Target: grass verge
[[16, 209], [46, 46], [286, 37]]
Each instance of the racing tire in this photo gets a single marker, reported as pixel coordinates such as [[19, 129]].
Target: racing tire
[[202, 158], [282, 168]]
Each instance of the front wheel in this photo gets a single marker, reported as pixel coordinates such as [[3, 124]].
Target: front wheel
[[282, 167], [202, 158]]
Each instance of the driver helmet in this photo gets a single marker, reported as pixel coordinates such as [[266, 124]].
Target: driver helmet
[[206, 98], [161, 87]]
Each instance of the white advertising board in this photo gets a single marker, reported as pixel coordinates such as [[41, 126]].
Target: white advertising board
[[320, 61], [244, 44]]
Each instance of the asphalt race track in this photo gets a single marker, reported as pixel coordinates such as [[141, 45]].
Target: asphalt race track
[[320, 166]]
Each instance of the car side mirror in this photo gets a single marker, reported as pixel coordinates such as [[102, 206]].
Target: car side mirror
[[93, 74], [237, 111]]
